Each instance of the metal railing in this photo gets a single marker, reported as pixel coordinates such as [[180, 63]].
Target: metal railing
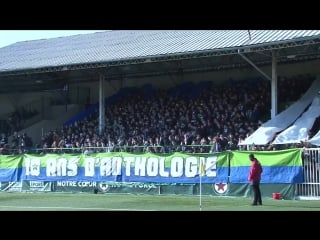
[[116, 148], [310, 188]]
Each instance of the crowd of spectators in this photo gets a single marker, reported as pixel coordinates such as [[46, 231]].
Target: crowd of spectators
[[213, 120], [16, 120]]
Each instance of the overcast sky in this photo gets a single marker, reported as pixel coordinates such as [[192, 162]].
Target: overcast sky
[[8, 37]]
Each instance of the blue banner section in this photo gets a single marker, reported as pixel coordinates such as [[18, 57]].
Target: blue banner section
[[10, 174], [271, 174], [221, 176]]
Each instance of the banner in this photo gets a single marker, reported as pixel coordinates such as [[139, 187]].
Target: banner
[[126, 167], [284, 166]]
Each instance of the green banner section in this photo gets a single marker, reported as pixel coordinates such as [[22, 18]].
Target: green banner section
[[288, 157], [11, 161]]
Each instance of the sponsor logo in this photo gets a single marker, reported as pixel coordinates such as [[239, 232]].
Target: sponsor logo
[[104, 187], [76, 184], [36, 184], [14, 186], [220, 188]]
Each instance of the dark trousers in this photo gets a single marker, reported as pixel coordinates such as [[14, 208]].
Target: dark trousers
[[256, 192]]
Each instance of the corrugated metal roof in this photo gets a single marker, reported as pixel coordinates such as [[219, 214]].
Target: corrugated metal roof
[[118, 45]]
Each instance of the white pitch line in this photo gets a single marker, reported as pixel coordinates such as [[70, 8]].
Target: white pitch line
[[75, 208]]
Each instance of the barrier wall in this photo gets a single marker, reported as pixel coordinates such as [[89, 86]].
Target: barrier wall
[[287, 191]]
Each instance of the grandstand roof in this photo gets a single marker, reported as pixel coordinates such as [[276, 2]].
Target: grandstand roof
[[55, 58], [112, 46]]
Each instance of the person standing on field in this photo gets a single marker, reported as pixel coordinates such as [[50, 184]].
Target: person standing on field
[[255, 178]]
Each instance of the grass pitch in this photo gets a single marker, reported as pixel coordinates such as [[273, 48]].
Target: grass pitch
[[128, 202]]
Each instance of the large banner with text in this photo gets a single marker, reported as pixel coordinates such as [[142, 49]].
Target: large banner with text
[[279, 167]]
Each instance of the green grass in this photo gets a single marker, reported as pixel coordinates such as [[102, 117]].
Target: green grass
[[129, 202]]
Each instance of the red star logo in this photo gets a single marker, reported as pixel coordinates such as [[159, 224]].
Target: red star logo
[[220, 186]]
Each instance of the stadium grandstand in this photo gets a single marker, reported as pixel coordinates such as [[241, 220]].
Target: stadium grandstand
[[162, 92]]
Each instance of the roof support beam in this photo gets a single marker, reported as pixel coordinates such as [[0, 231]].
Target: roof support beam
[[253, 65], [101, 104], [274, 86]]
